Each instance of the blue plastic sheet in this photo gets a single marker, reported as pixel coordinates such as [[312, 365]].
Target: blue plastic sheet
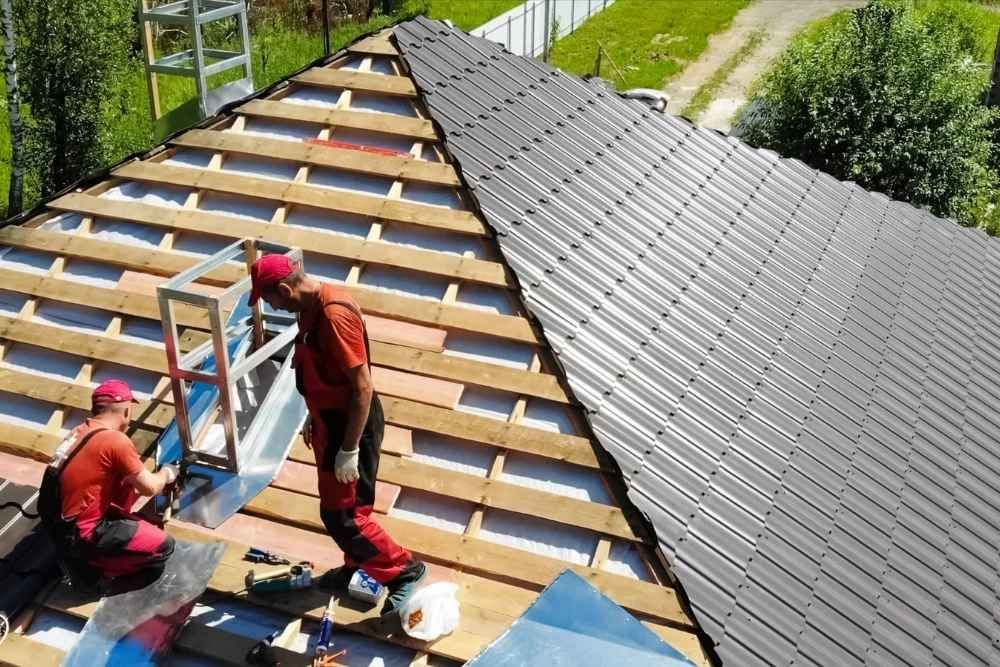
[[139, 627], [572, 624]]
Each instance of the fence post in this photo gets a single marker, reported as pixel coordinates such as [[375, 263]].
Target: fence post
[[597, 63], [993, 95], [509, 45], [533, 12], [524, 29], [545, 35], [326, 27]]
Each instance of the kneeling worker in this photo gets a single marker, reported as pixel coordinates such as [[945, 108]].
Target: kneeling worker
[[345, 423], [87, 496]]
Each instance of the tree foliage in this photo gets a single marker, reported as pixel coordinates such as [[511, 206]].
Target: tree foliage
[[892, 99], [15, 193], [72, 53]]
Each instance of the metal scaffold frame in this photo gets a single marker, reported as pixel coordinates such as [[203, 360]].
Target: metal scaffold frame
[[191, 367], [194, 62]]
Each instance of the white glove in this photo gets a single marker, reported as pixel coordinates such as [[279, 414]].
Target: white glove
[[345, 466], [172, 470]]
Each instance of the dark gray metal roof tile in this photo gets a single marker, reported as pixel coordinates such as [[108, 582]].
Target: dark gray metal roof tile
[[791, 392]]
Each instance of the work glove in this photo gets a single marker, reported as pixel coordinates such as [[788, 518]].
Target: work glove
[[345, 466], [172, 470]]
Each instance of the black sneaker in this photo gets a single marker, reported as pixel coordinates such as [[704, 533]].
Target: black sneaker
[[333, 581], [403, 586]]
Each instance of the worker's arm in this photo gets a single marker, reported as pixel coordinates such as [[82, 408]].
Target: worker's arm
[[346, 461], [152, 483], [359, 405]]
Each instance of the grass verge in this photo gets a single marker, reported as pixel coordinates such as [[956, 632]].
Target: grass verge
[[648, 40], [469, 14], [708, 90]]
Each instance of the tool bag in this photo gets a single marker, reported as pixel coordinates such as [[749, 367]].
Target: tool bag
[[62, 531]]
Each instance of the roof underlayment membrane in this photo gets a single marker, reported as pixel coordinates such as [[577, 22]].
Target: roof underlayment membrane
[[488, 468], [796, 376]]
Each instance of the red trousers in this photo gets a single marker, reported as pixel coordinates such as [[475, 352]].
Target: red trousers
[[346, 509], [127, 546]]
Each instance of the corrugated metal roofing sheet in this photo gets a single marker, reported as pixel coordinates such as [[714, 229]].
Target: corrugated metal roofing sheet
[[27, 558], [796, 376]]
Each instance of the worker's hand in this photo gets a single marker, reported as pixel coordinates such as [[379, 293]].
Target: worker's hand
[[345, 466], [170, 470], [307, 432]]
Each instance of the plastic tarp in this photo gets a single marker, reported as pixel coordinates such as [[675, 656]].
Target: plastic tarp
[[572, 624], [139, 627]]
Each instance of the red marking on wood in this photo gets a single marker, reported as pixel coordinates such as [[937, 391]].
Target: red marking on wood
[[378, 150]]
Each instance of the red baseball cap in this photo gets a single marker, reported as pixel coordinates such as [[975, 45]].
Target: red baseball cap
[[112, 391], [267, 271]]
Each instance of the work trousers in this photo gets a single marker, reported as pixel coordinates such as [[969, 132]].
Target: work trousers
[[129, 551], [346, 509]]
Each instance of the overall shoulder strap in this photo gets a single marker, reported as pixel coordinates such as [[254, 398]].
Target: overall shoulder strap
[[80, 446], [364, 329]]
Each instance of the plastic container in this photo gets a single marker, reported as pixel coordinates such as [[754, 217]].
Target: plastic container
[[363, 587]]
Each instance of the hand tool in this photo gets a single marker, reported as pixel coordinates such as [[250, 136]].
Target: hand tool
[[257, 555], [262, 653]]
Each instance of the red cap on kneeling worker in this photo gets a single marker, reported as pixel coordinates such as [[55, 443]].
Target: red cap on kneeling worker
[[345, 423], [110, 392]]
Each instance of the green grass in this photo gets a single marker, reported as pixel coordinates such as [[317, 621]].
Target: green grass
[[708, 90], [468, 14], [649, 40]]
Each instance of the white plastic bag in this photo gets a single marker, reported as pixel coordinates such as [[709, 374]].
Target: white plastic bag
[[431, 612]]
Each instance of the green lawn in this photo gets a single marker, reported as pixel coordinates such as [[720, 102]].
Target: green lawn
[[469, 14], [648, 40]]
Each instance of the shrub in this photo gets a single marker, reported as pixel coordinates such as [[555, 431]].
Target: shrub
[[892, 99]]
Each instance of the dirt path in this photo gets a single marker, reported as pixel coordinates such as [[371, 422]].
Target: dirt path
[[782, 19]]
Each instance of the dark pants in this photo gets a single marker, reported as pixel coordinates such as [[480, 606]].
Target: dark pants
[[346, 509]]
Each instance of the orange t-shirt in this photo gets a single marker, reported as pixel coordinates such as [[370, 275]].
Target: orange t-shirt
[[94, 479], [340, 338]]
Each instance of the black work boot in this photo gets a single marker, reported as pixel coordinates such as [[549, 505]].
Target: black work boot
[[403, 586], [334, 581]]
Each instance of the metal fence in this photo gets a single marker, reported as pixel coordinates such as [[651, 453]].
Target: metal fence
[[530, 29]]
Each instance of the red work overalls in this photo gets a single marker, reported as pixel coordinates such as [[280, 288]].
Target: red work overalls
[[346, 508]]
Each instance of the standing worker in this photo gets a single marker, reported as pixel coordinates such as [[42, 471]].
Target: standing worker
[[345, 423], [87, 495]]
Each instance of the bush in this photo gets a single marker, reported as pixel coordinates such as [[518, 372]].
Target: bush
[[890, 98]]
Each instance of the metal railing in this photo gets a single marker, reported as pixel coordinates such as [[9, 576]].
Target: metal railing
[[530, 29]]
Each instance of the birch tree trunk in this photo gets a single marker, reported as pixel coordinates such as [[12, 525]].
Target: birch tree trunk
[[16, 191]]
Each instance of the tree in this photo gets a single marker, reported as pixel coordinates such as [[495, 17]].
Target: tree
[[888, 99], [15, 195], [76, 52]]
